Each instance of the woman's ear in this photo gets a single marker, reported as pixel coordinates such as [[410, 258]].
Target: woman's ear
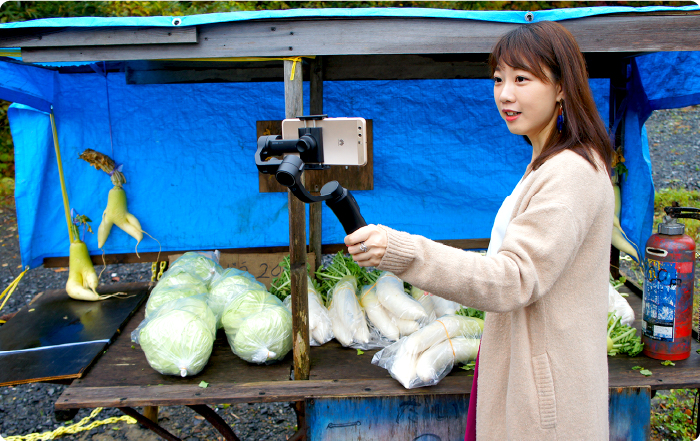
[[560, 93]]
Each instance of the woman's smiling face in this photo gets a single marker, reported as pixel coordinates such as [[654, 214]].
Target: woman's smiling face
[[527, 104]]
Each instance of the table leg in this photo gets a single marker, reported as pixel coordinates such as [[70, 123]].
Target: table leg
[[151, 412], [630, 413], [215, 420], [149, 424]]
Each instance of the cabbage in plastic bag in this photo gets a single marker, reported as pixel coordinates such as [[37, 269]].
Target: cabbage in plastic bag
[[347, 317], [429, 354], [203, 264], [180, 276], [264, 337], [320, 326], [243, 306], [178, 337], [168, 294], [227, 287]]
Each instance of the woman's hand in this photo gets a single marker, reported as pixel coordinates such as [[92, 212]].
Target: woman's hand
[[367, 245]]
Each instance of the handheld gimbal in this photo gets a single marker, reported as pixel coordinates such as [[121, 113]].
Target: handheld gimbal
[[288, 171]]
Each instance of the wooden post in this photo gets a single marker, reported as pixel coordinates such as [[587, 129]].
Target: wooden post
[[316, 108], [151, 412], [293, 104]]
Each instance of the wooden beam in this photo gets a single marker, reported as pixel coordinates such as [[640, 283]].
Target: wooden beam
[[102, 36], [386, 35], [293, 106], [316, 108]]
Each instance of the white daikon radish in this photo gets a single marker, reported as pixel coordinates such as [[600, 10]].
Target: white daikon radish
[[403, 367], [320, 326], [437, 361], [347, 318], [406, 327], [424, 298], [392, 297], [377, 315], [443, 306], [448, 326]]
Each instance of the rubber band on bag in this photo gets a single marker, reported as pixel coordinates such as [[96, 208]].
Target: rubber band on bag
[[454, 355]]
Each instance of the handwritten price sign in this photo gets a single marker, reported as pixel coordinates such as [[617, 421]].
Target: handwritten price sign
[[264, 266]]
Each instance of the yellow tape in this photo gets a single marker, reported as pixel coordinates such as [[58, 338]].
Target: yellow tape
[[75, 428], [11, 288]]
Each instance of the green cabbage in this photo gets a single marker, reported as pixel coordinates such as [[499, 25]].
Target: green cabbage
[[264, 337], [178, 338], [180, 276], [245, 305], [161, 296], [199, 264], [225, 289]]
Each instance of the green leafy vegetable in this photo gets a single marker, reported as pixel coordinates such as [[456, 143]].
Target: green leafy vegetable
[[622, 339], [668, 363], [281, 286], [340, 267], [360, 352], [469, 366], [637, 368], [471, 312], [645, 372], [203, 384]]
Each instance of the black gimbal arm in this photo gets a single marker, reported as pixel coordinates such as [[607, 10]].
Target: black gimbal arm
[[288, 173]]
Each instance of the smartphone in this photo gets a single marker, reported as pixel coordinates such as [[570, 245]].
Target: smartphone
[[344, 139]]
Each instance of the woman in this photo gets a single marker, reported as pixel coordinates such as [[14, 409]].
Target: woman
[[542, 367]]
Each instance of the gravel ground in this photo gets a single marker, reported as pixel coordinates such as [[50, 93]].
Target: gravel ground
[[675, 153]]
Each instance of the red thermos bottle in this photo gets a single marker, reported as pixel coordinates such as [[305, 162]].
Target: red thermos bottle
[[669, 268]]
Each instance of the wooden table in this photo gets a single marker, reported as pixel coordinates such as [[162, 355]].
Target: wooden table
[[346, 396]]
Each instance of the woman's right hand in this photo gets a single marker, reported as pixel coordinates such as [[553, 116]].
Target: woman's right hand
[[367, 245]]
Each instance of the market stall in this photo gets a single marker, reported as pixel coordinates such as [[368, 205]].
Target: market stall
[[180, 102]]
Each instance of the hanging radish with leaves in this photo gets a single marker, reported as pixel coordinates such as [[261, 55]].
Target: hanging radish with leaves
[[82, 278], [116, 212]]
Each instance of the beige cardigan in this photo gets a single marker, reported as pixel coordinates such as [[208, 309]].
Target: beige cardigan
[[543, 372]]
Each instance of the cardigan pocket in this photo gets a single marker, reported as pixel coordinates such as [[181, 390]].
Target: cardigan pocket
[[545, 391]]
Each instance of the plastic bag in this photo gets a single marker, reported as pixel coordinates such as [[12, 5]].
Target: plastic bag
[[394, 299], [204, 264], [429, 354], [619, 305], [347, 318], [228, 285], [435, 304], [258, 327], [180, 276], [161, 296], [264, 337], [178, 337], [320, 326]]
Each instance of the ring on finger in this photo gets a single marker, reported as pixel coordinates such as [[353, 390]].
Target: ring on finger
[[363, 247]]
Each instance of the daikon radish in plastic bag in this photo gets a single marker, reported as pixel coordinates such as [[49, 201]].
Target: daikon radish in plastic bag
[[178, 337], [401, 358], [347, 317], [320, 326], [435, 363], [377, 315], [392, 296]]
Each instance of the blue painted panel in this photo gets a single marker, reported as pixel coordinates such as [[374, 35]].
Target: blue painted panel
[[630, 413], [418, 418]]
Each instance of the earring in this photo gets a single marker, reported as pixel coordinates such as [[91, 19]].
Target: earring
[[560, 118]]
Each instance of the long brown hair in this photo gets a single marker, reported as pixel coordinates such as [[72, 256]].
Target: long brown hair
[[548, 44]]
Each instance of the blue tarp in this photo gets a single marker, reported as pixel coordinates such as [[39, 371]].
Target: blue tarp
[[443, 158]]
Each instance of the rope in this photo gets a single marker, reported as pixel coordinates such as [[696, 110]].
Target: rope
[[66, 205], [75, 428], [11, 288]]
